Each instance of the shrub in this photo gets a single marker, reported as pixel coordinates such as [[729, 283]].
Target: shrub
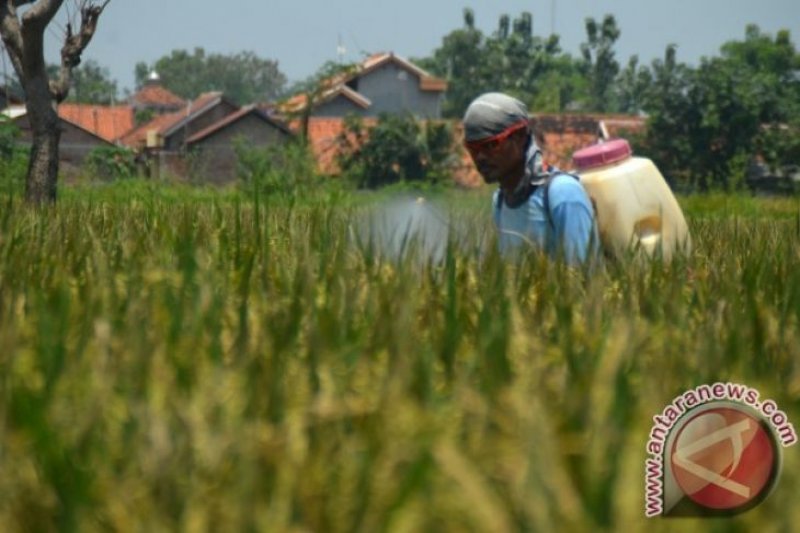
[[111, 163], [275, 170], [398, 148], [13, 159]]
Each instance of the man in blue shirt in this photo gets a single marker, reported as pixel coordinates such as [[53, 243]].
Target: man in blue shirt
[[549, 210]]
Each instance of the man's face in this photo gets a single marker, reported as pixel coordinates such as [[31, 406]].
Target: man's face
[[499, 158]]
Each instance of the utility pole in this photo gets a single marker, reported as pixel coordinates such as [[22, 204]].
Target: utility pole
[[553, 17], [341, 51]]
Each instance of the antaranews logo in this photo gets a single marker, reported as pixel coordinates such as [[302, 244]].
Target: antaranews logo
[[714, 451]]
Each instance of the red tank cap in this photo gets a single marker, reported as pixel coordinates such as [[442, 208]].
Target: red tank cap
[[599, 155]]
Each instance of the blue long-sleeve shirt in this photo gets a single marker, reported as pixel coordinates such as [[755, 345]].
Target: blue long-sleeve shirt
[[569, 230]]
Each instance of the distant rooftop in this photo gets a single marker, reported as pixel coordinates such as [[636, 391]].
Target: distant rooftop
[[107, 122], [153, 94]]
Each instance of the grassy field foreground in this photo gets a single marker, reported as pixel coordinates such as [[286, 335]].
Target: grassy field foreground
[[210, 364]]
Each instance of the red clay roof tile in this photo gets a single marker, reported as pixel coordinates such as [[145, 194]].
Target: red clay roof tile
[[107, 122], [155, 95], [169, 122], [297, 103], [137, 137], [323, 137]]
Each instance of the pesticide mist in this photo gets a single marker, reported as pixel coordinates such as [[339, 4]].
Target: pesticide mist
[[410, 225]]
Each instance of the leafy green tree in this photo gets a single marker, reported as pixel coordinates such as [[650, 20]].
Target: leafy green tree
[[561, 87], [761, 52], [243, 77], [669, 116], [111, 162], [732, 103], [778, 145], [283, 169], [398, 148], [632, 86], [92, 84], [140, 72], [513, 59], [313, 89], [600, 64], [774, 65], [460, 59], [706, 124], [520, 63]]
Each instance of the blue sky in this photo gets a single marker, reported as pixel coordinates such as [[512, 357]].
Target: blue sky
[[303, 34]]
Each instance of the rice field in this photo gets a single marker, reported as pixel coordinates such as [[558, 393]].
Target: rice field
[[175, 360]]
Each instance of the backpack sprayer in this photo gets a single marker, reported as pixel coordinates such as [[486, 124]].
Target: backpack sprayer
[[635, 207]]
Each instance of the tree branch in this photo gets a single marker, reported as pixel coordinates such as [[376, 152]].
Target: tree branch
[[40, 14], [74, 45], [11, 32]]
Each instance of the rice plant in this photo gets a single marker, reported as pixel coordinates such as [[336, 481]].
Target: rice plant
[[209, 362]]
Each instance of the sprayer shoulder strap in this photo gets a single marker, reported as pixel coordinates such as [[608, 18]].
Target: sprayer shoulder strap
[[548, 179], [546, 193]]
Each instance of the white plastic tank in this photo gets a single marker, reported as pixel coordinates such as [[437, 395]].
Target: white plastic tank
[[635, 206]]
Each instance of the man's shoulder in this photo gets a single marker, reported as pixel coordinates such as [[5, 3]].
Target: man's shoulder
[[565, 179], [565, 187]]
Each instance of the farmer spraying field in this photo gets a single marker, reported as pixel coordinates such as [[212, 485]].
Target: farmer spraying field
[[618, 203], [546, 208]]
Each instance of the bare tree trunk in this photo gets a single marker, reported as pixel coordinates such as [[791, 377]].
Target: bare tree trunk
[[23, 36], [42, 179]]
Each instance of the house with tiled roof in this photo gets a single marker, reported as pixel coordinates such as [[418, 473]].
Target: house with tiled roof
[[174, 128], [213, 151], [76, 141], [206, 131], [107, 122], [383, 83], [154, 97]]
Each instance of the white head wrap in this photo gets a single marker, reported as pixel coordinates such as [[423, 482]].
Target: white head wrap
[[492, 113]]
